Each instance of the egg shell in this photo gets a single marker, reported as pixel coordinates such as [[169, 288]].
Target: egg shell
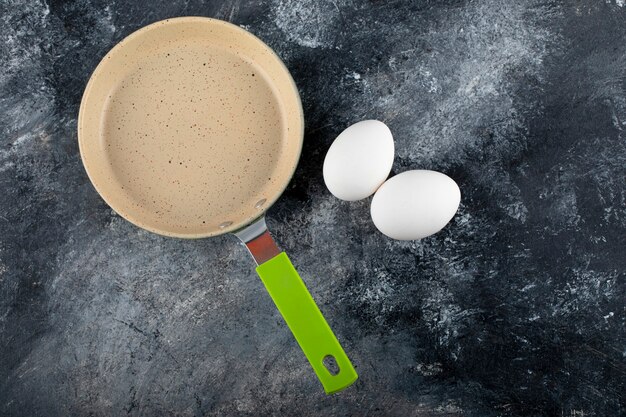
[[415, 204], [359, 160]]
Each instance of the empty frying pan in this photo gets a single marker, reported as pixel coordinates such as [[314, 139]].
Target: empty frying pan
[[192, 127]]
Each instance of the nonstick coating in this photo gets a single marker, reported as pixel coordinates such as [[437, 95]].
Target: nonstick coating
[[190, 127]]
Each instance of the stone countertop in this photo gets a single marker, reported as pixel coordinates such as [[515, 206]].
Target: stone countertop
[[515, 308]]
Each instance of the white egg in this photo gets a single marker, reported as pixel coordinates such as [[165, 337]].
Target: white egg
[[415, 204], [359, 160]]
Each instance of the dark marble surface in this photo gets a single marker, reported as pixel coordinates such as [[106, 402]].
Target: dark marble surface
[[516, 308]]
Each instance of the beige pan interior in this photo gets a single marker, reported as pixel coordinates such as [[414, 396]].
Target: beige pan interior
[[190, 127]]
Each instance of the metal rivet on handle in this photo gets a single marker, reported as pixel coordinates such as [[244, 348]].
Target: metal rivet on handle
[[260, 203], [225, 225]]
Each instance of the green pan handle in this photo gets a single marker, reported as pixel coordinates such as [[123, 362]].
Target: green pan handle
[[306, 323]]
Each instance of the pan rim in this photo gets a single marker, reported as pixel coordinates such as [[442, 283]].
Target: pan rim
[[136, 220]]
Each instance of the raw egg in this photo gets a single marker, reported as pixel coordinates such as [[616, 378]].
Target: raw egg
[[415, 204], [359, 160]]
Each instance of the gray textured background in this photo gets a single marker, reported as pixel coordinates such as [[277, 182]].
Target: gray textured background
[[516, 308]]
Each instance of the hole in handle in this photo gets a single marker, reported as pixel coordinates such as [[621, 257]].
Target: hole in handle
[[331, 364]]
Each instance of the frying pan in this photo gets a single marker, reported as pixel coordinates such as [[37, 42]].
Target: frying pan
[[192, 127]]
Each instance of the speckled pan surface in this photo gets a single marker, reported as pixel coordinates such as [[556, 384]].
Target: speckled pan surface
[[190, 127]]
